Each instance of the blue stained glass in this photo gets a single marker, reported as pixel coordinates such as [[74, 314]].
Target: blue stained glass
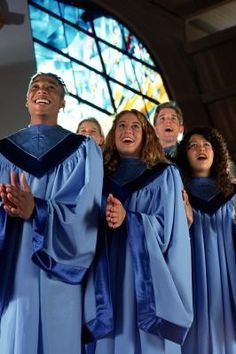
[[134, 47], [92, 87], [82, 47], [118, 66], [50, 5], [149, 80], [104, 65], [50, 61], [48, 29], [109, 30]]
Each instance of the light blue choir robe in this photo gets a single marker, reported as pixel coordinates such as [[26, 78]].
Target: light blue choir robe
[[44, 260], [213, 237], [150, 263]]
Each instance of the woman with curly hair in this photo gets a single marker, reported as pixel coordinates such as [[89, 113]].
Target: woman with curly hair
[[205, 165], [148, 239]]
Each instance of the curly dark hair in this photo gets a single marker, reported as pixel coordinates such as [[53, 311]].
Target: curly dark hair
[[221, 166], [151, 152]]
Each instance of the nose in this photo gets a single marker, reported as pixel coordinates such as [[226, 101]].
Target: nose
[[42, 89], [168, 119], [127, 128]]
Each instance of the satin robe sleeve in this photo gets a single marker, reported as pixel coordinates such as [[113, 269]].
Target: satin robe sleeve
[[158, 237], [65, 222]]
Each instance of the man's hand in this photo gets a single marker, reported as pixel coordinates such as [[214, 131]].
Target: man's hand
[[18, 200]]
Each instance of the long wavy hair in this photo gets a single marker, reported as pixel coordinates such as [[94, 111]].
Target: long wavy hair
[[151, 151], [221, 166]]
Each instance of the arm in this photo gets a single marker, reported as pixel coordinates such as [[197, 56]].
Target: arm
[[159, 240]]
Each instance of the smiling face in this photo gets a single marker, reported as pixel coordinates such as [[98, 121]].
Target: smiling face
[[168, 127], [91, 129], [200, 155], [129, 135], [45, 97]]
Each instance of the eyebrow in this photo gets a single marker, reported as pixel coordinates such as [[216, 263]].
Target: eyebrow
[[173, 114], [124, 121]]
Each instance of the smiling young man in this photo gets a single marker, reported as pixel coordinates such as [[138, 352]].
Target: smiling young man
[[51, 182], [168, 124]]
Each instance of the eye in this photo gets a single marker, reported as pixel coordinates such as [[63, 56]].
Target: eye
[[34, 87], [121, 125], [207, 145], [51, 87], [136, 127], [192, 146]]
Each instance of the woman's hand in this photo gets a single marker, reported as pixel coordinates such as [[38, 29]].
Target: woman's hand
[[188, 208], [115, 212]]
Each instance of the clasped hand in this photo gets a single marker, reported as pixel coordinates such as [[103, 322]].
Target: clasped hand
[[17, 198], [115, 212]]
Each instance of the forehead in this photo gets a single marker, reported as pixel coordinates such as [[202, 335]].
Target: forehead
[[165, 111], [45, 79], [88, 125], [128, 117], [197, 137]]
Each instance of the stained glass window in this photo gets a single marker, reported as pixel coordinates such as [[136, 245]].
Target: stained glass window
[[105, 67]]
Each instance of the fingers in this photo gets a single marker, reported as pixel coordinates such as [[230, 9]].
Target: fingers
[[24, 183], [14, 180], [17, 198], [115, 212]]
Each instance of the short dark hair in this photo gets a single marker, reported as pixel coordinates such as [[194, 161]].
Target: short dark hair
[[170, 104], [59, 80]]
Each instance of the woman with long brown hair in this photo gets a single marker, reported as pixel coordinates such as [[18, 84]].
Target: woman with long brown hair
[[148, 239]]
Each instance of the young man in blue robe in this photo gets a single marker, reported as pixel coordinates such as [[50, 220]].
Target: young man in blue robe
[[51, 182]]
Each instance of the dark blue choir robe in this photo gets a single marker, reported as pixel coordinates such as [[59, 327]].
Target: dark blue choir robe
[[213, 237], [44, 260], [150, 262]]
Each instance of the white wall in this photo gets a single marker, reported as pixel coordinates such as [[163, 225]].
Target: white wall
[[17, 65]]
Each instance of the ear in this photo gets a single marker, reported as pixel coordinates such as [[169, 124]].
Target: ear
[[63, 104], [26, 103], [181, 129]]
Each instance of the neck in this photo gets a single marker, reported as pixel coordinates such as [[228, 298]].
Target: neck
[[35, 120], [201, 174], [166, 144]]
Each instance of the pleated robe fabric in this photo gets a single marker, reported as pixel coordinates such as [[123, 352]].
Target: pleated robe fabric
[[150, 266], [213, 236], [44, 260]]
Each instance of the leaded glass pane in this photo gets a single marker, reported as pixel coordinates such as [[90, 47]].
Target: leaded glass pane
[[105, 67]]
